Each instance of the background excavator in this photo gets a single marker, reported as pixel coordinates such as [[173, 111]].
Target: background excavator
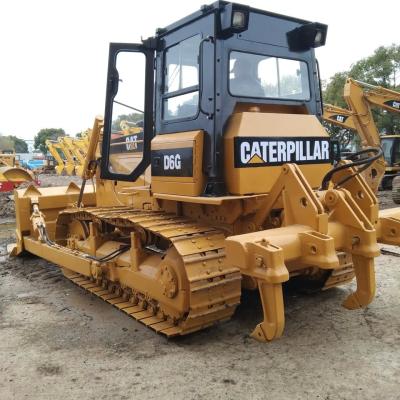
[[77, 149], [234, 183], [55, 150], [67, 154], [70, 153], [361, 97]]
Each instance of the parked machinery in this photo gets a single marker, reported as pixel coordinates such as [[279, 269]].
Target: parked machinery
[[64, 154], [390, 144], [11, 174], [55, 150], [360, 97], [77, 153], [243, 194], [69, 153]]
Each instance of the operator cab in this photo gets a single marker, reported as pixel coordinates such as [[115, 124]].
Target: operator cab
[[390, 145], [198, 85]]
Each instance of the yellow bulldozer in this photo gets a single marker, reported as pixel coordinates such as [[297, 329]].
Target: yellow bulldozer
[[233, 185], [11, 173]]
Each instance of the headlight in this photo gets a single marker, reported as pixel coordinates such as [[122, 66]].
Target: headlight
[[238, 20], [307, 36], [318, 39], [234, 18]]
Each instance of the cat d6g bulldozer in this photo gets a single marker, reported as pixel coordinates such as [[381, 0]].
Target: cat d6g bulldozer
[[231, 185]]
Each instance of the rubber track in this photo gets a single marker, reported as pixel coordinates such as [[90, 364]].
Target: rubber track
[[214, 288]]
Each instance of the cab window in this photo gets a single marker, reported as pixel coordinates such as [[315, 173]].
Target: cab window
[[181, 80], [387, 147], [254, 75]]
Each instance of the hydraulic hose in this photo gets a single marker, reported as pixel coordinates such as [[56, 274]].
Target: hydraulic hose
[[364, 163], [107, 257]]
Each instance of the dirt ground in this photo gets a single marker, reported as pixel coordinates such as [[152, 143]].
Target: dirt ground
[[58, 342]]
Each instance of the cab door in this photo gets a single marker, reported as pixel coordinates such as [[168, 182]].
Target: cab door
[[128, 117]]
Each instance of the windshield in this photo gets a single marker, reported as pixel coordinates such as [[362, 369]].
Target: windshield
[[254, 75], [387, 145]]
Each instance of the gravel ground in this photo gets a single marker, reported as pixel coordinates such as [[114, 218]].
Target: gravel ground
[[56, 341]]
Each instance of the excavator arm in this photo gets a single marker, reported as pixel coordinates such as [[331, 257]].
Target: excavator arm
[[339, 116], [363, 119], [69, 156], [366, 128], [78, 154], [54, 149], [381, 97]]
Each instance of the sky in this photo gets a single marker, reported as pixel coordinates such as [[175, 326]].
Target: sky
[[54, 53]]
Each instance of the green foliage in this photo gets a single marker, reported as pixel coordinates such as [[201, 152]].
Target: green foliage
[[45, 134], [382, 68], [20, 146], [133, 117], [333, 94], [82, 133], [6, 143], [11, 142]]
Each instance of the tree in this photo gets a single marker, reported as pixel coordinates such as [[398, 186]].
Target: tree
[[333, 94], [11, 142], [81, 134], [46, 134], [20, 146], [382, 68], [133, 117], [6, 143]]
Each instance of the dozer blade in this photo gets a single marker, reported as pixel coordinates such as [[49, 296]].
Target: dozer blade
[[14, 175]]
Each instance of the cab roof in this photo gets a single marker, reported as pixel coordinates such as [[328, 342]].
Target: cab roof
[[216, 6]]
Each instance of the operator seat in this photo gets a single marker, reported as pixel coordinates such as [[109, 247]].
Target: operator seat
[[245, 81]]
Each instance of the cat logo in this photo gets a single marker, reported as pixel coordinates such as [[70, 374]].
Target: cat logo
[[393, 103], [131, 142], [339, 118], [259, 152]]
